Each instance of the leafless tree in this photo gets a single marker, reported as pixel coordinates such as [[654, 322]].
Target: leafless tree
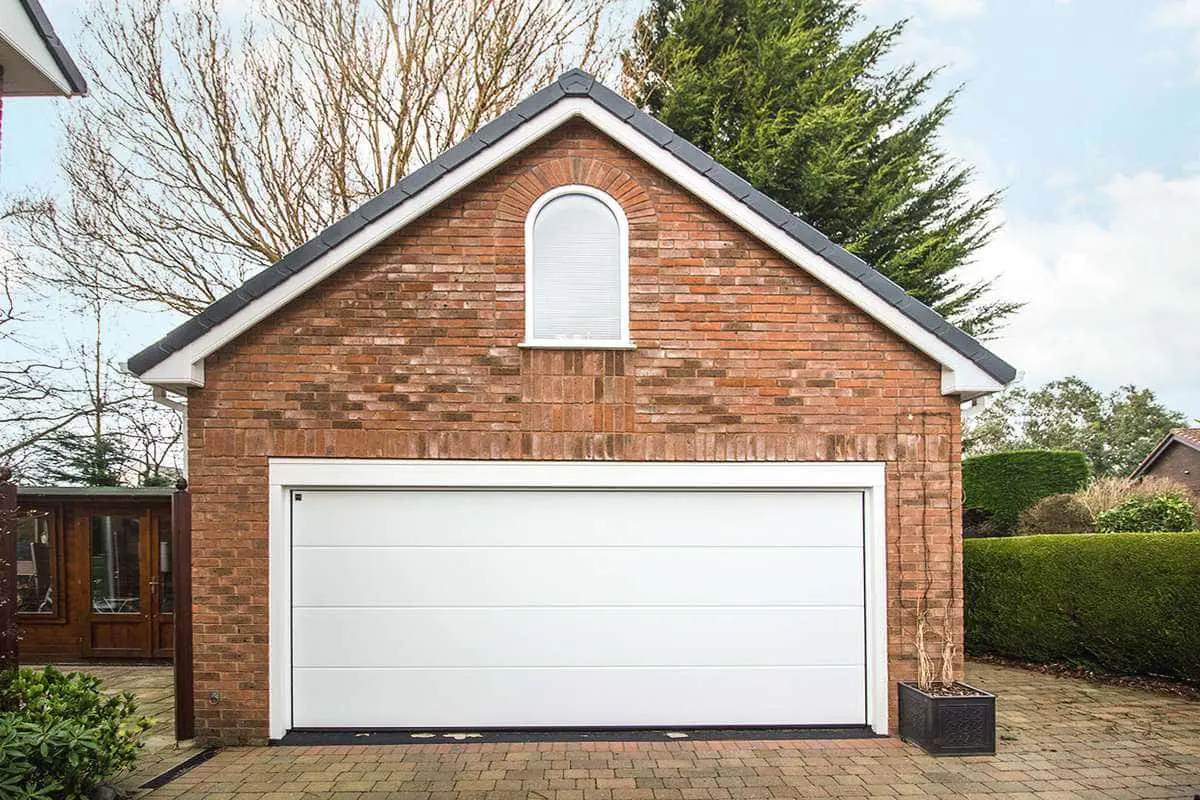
[[216, 140], [152, 438], [37, 397], [81, 394]]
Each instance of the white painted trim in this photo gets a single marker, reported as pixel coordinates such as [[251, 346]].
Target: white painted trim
[[875, 599], [279, 612], [961, 376], [577, 344], [288, 474], [23, 37], [623, 243]]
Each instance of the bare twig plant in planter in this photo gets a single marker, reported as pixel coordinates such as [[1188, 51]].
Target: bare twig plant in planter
[[941, 714]]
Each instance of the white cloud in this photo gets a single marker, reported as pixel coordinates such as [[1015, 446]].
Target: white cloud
[[1177, 12], [1113, 299], [1182, 17], [928, 9], [938, 33]]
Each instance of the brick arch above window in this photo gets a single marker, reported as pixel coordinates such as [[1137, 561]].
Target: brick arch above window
[[514, 205]]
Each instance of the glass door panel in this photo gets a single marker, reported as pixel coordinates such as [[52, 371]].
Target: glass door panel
[[116, 565], [162, 588], [35, 564], [166, 591]]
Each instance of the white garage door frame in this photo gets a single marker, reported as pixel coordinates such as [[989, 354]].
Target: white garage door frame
[[288, 474]]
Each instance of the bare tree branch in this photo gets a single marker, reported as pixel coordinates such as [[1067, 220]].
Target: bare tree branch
[[214, 143]]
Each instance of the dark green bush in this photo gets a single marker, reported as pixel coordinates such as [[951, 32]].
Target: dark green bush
[[1058, 513], [1002, 485], [60, 737], [1123, 602], [1162, 512]]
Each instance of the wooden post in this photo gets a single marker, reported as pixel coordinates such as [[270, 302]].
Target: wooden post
[[8, 571], [181, 568]]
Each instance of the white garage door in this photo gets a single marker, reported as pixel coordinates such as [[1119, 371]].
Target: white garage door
[[510, 608]]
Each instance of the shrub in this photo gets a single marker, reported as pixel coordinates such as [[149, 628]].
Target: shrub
[[1164, 512], [1058, 513], [60, 737], [1005, 484], [1105, 493], [1124, 602], [978, 523]]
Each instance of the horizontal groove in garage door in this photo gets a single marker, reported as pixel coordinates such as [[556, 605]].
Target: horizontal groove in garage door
[[490, 668], [591, 605], [569, 546]]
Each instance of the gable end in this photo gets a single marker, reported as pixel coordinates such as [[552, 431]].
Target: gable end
[[176, 361]]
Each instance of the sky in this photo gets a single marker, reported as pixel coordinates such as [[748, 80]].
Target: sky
[[1086, 113]]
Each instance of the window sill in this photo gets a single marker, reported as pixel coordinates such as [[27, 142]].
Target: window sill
[[570, 344]]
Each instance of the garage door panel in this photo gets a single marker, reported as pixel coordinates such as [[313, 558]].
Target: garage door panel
[[617, 697], [577, 637], [577, 518], [608, 576], [614, 607]]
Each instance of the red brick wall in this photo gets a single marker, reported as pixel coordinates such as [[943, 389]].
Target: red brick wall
[[1180, 462], [411, 352]]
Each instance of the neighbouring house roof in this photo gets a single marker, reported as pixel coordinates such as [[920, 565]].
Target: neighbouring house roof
[[176, 361], [1188, 437], [33, 58], [96, 492]]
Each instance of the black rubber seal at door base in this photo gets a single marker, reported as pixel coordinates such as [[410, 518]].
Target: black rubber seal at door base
[[324, 736]]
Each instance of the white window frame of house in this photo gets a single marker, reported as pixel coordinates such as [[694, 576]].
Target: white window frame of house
[[622, 343], [288, 474]]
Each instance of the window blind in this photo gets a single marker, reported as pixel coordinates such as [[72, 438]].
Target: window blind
[[576, 271]]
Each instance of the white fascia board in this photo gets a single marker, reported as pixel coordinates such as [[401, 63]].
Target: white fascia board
[[355, 473], [960, 376], [22, 37], [967, 375]]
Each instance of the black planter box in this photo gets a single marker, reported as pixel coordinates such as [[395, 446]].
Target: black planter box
[[948, 725]]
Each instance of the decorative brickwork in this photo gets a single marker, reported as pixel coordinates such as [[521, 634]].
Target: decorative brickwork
[[412, 352]]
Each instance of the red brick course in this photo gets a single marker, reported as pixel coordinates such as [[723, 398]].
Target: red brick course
[[411, 351]]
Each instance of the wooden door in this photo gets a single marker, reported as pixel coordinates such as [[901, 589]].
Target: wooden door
[[117, 569]]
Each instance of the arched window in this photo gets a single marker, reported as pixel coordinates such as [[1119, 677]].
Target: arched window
[[576, 270]]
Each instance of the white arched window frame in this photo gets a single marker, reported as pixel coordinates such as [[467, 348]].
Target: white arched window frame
[[531, 340]]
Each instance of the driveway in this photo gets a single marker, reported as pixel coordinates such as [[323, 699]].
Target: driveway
[[1060, 738]]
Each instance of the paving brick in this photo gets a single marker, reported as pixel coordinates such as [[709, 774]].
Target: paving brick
[[1062, 739]]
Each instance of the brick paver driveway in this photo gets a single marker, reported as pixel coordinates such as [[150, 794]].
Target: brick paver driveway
[[1060, 738]]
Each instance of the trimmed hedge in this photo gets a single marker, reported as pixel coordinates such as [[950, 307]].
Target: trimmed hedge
[[1002, 485], [1123, 602]]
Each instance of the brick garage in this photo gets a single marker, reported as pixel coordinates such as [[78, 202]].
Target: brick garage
[[410, 351]]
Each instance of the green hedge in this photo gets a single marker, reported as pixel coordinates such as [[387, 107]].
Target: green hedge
[[1123, 602], [1002, 485]]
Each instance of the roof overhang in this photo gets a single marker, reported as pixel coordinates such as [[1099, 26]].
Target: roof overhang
[[176, 363], [33, 59]]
